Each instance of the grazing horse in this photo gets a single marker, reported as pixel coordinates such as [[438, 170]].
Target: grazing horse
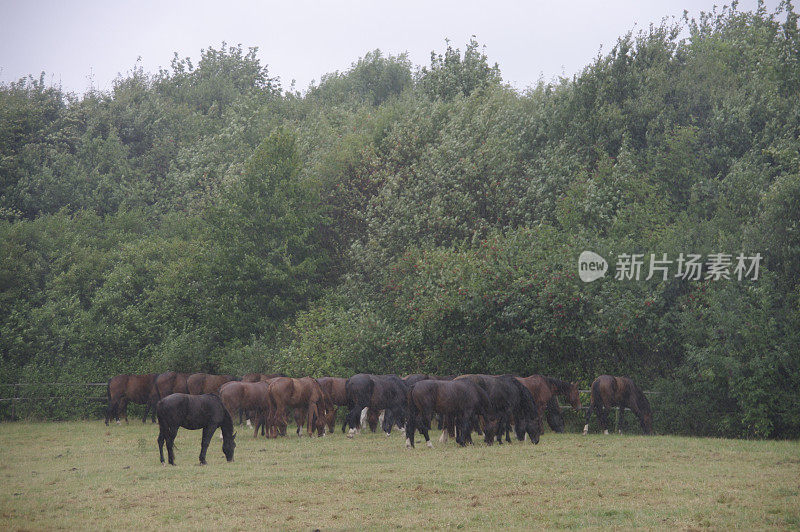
[[194, 412], [257, 377], [460, 400], [251, 397], [304, 395], [544, 391], [334, 388], [200, 383], [378, 392], [608, 391], [510, 400], [130, 388]]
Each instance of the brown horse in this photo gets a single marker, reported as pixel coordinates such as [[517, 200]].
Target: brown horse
[[168, 383], [258, 377], [334, 388], [200, 383], [304, 395], [544, 391], [252, 397], [123, 389], [608, 391]]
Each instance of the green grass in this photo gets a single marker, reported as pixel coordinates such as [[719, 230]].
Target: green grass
[[83, 475]]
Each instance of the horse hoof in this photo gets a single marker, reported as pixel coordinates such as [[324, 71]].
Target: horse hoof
[[350, 435], [408, 443], [388, 435], [163, 464], [429, 444], [586, 429], [605, 432]]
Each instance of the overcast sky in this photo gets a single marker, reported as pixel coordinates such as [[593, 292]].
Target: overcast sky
[[86, 44]]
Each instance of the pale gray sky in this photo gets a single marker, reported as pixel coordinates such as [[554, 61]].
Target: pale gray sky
[[88, 43]]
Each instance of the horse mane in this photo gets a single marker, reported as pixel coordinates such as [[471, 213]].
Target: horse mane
[[563, 387], [227, 421]]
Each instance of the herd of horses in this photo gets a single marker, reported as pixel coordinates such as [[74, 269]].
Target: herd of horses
[[489, 405]]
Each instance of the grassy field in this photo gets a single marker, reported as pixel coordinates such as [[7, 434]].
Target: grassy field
[[83, 475]]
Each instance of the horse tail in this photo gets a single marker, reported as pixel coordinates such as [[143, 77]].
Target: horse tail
[[413, 412], [313, 414]]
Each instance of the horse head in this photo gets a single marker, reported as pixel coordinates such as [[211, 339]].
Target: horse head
[[491, 424], [574, 396], [228, 445], [394, 415]]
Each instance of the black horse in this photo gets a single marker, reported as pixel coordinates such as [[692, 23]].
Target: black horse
[[378, 392], [460, 401], [510, 402], [194, 412]]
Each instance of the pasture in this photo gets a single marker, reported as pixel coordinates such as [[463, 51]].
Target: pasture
[[84, 475]]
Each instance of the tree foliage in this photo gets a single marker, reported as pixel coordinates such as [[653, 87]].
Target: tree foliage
[[400, 219]]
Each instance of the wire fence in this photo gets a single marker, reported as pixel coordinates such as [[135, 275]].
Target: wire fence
[[45, 392]]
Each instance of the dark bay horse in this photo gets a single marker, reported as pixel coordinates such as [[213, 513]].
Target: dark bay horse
[[251, 397], [460, 400], [194, 412], [378, 392], [200, 383], [609, 391], [123, 389], [545, 391], [334, 388], [304, 395]]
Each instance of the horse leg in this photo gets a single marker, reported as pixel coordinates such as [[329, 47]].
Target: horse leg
[[602, 415], [425, 426], [123, 406], [312, 413], [208, 432], [411, 427], [111, 410], [462, 426], [467, 429], [299, 416], [588, 415], [353, 419], [146, 411], [161, 445], [621, 424], [171, 445]]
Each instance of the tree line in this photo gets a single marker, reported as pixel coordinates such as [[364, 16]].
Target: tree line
[[404, 219]]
